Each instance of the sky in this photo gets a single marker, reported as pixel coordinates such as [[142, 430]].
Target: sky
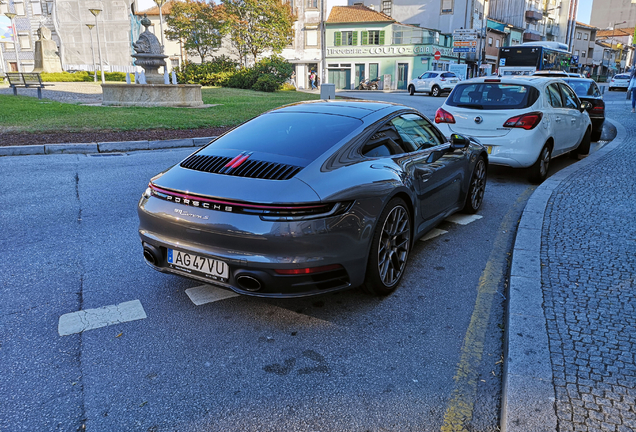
[[583, 15], [584, 12]]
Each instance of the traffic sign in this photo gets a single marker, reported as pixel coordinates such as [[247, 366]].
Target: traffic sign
[[465, 43], [464, 49], [438, 55]]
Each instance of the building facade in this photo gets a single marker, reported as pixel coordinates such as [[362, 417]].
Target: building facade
[[607, 14], [583, 47], [364, 44]]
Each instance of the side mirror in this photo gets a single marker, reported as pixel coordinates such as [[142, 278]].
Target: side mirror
[[458, 142], [586, 106]]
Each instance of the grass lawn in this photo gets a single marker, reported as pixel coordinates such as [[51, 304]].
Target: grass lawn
[[27, 114]]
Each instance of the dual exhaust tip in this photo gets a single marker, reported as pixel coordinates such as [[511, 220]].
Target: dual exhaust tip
[[245, 281]]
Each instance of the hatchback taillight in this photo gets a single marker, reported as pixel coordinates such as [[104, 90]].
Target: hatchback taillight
[[525, 121], [443, 116]]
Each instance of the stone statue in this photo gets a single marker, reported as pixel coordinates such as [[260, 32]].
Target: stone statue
[[47, 58], [149, 54]]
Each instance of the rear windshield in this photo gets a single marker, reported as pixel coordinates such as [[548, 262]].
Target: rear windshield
[[584, 88], [296, 134], [621, 77], [492, 96]]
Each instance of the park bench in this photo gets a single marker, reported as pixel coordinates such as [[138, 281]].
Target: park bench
[[26, 80]]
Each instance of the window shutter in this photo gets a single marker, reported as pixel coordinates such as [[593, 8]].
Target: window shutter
[[337, 38], [354, 38], [365, 37], [382, 37]]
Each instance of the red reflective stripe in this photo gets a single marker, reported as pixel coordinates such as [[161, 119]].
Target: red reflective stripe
[[309, 270], [233, 160], [240, 161]]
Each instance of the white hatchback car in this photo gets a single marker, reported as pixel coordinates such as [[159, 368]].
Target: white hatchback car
[[433, 82], [522, 121], [620, 81]]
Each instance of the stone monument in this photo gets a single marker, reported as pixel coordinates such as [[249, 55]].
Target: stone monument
[[46, 55], [149, 55]]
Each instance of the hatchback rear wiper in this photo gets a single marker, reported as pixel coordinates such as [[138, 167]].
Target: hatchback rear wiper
[[478, 106]]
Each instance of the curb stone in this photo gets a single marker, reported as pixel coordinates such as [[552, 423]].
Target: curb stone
[[102, 147], [528, 394]]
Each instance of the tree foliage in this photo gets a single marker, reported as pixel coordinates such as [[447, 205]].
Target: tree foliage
[[256, 26], [198, 25]]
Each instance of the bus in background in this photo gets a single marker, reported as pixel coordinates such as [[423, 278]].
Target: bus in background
[[529, 57]]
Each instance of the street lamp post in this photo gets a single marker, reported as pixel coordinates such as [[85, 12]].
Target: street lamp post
[[90, 28], [11, 16], [160, 4], [96, 12]]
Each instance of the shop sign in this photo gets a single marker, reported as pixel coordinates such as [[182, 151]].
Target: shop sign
[[380, 51]]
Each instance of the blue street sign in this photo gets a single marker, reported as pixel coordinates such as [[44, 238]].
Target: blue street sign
[[464, 49]]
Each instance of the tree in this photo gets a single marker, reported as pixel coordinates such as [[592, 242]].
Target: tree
[[256, 26], [198, 25]]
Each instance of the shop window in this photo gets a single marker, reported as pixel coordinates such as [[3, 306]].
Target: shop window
[[373, 37]]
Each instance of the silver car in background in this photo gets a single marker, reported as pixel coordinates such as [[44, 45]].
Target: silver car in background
[[433, 82], [620, 81], [310, 198]]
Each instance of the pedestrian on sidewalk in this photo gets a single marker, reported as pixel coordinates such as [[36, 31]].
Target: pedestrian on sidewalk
[[631, 88], [312, 80]]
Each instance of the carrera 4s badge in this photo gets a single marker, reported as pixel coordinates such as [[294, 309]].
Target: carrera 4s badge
[[187, 213]]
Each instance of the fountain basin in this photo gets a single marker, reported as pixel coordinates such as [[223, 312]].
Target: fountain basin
[[152, 95]]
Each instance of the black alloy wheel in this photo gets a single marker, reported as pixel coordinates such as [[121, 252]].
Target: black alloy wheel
[[389, 249], [477, 188], [539, 171]]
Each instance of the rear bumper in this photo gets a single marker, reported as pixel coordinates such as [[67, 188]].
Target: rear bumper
[[255, 248]]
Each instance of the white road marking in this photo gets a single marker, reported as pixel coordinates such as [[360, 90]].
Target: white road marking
[[463, 219], [433, 233], [207, 294], [89, 319]]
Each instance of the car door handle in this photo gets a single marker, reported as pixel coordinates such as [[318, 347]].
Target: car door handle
[[558, 119]]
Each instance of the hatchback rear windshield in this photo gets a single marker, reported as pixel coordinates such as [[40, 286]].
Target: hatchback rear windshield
[[493, 96], [296, 134], [584, 88], [621, 76]]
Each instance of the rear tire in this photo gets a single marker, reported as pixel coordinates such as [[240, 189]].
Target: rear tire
[[435, 91], [584, 145], [596, 136], [539, 171], [477, 188], [411, 90], [389, 251]]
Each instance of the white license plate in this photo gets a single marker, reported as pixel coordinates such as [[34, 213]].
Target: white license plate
[[215, 269], [453, 81]]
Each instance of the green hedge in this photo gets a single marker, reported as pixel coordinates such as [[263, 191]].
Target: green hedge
[[82, 76]]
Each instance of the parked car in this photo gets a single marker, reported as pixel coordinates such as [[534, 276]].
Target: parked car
[[523, 122], [620, 81], [433, 82], [587, 90], [310, 198]]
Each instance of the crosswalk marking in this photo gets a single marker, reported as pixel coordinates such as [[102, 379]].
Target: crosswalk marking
[[207, 294], [89, 319]]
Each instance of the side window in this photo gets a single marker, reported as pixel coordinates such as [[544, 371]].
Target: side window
[[416, 132], [554, 96], [385, 142], [425, 75], [569, 97]]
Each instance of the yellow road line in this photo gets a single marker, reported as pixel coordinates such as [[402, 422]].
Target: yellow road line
[[459, 411]]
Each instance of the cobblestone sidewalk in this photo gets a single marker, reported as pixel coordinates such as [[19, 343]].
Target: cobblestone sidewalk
[[588, 259]]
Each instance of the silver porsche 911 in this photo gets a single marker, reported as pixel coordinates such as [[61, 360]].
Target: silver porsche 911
[[310, 198]]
